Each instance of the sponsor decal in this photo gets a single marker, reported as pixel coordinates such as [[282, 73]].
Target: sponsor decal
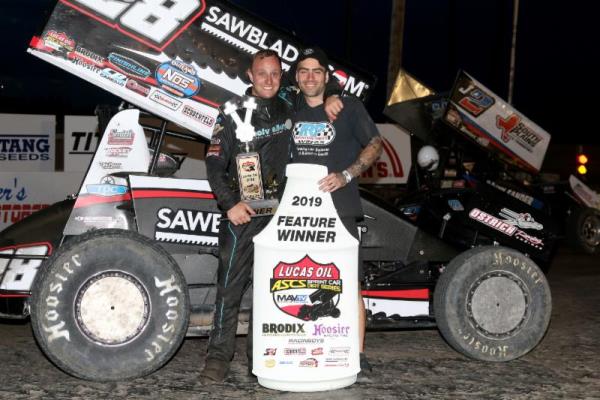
[[294, 351], [86, 65], [522, 220], [153, 23], [317, 351], [313, 133], [100, 221], [455, 205], [275, 129], [87, 56], [138, 87], [339, 350], [165, 100], [529, 200], [492, 222], [11, 213], [85, 142], [117, 152], [337, 362], [307, 290], [309, 363], [128, 65], [59, 41], [24, 148], [197, 115], [114, 76], [106, 189], [505, 227], [474, 100], [270, 351], [348, 83], [121, 137], [240, 33], [337, 330], [187, 226], [281, 329], [178, 78], [270, 363], [109, 165], [297, 341], [286, 362], [512, 127]]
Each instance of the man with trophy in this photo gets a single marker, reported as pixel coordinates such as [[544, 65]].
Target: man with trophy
[[246, 162]]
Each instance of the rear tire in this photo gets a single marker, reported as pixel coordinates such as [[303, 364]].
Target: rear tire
[[583, 230], [492, 304], [110, 305]]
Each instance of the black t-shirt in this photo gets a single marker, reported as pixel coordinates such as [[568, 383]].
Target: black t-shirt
[[335, 145]]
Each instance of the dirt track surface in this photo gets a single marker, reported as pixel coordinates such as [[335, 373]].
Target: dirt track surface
[[407, 364]]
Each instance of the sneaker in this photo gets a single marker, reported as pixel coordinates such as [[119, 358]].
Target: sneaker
[[366, 370], [214, 371]]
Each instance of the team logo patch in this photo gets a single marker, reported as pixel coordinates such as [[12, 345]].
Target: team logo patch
[[306, 289], [313, 133]]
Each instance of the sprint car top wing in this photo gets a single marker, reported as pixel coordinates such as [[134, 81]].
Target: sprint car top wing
[[179, 59]]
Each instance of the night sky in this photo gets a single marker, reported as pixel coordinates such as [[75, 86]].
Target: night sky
[[556, 76]]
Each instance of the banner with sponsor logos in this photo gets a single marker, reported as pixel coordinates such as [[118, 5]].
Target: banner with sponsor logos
[[393, 166], [485, 118], [179, 59], [81, 140], [23, 193], [27, 142]]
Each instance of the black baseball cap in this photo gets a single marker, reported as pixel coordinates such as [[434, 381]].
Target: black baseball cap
[[313, 52]]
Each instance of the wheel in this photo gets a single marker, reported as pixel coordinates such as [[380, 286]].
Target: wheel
[[492, 304], [110, 305], [583, 230]]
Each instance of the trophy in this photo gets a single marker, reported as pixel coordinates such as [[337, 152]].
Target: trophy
[[250, 177]]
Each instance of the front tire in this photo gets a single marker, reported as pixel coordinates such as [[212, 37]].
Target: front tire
[[492, 304], [110, 305]]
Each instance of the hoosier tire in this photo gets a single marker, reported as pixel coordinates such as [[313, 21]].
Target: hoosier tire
[[110, 305], [492, 304], [583, 230]]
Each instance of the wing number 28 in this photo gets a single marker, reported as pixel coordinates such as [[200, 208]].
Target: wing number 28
[[154, 19]]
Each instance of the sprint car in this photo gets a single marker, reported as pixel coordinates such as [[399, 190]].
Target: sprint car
[[115, 277]]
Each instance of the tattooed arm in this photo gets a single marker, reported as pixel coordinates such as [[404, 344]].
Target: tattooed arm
[[366, 158]]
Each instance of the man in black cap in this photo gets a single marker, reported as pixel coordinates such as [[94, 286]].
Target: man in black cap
[[347, 147]]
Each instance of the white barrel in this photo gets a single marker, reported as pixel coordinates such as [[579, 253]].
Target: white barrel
[[305, 306]]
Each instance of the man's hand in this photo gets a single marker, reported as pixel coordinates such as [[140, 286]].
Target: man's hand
[[240, 213], [332, 182], [333, 106]]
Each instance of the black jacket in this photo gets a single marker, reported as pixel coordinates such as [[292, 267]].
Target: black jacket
[[272, 121]]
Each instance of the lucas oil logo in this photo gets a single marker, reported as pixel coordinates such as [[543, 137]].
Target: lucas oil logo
[[306, 289], [313, 133], [178, 78]]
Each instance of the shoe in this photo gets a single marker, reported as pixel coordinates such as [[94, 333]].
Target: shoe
[[214, 371], [366, 370]]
